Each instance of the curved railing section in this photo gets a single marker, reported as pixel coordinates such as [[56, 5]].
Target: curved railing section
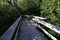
[[39, 20]]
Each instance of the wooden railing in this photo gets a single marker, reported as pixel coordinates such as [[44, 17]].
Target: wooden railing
[[10, 32], [48, 25]]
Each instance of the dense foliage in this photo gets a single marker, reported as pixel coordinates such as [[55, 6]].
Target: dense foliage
[[8, 14], [28, 6], [51, 10], [45, 8]]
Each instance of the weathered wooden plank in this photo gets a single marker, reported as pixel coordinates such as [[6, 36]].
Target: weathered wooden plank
[[48, 25], [9, 33], [28, 31]]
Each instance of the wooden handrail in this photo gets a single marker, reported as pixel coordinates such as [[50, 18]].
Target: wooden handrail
[[48, 25], [41, 18], [48, 34], [9, 33]]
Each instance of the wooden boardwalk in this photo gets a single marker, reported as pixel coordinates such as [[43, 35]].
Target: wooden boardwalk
[[24, 29], [28, 31]]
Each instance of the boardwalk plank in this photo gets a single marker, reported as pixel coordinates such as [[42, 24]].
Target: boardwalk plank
[[28, 32]]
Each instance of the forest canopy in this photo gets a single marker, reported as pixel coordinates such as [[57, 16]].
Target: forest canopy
[[45, 8]]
